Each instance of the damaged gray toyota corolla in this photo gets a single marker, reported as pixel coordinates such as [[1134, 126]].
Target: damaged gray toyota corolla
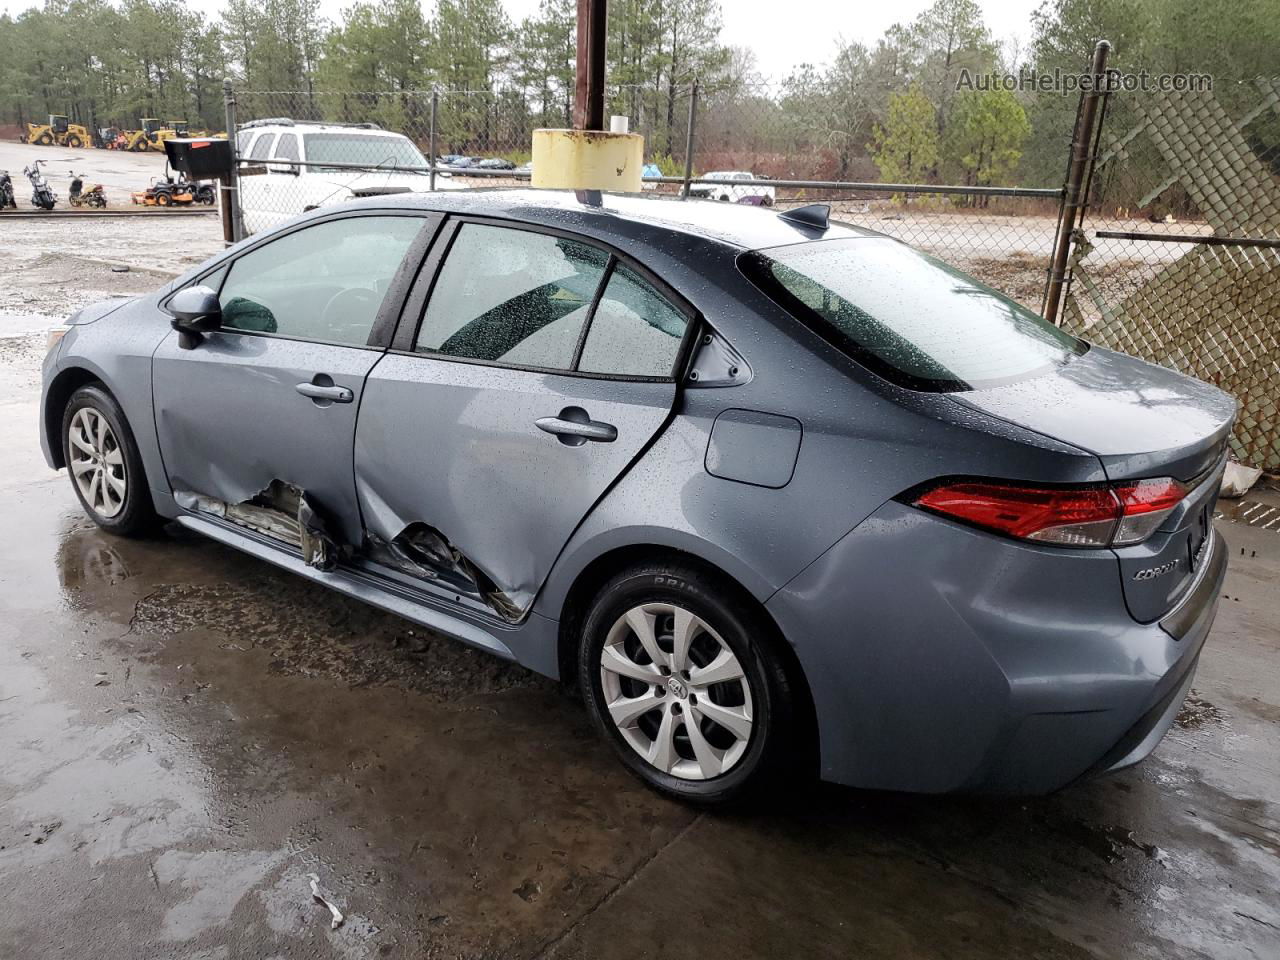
[[771, 491]]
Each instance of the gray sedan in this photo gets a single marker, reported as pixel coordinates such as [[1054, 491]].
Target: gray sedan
[[778, 495]]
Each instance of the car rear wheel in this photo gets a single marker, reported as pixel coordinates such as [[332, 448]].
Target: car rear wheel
[[679, 676], [105, 466]]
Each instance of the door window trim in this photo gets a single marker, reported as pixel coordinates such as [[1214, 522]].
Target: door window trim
[[415, 306], [393, 301]]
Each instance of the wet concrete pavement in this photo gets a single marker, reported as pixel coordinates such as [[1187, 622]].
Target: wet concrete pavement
[[187, 733]]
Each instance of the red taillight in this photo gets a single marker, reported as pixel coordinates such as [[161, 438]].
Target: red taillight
[[1146, 503], [1068, 516]]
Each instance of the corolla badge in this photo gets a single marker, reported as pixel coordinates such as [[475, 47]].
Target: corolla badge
[[1151, 573]]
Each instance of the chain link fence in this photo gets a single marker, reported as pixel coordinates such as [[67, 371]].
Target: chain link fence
[[745, 143], [1178, 255]]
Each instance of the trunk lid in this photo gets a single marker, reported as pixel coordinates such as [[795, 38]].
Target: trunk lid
[[1140, 420]]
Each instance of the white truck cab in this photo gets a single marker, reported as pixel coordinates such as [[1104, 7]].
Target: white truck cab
[[750, 190], [294, 166]]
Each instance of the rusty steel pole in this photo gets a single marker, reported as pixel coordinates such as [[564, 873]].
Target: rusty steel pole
[[1073, 199], [229, 182], [588, 104]]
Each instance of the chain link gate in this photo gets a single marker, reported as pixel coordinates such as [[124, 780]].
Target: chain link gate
[[1177, 258]]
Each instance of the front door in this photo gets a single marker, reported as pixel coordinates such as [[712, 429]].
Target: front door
[[273, 395], [542, 366]]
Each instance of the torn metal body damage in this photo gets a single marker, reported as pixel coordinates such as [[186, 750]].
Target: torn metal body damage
[[283, 512], [280, 511], [422, 551]]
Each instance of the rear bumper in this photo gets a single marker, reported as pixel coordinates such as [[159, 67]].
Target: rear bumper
[[941, 658]]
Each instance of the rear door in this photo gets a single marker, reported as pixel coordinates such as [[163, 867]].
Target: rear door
[[537, 372], [273, 395]]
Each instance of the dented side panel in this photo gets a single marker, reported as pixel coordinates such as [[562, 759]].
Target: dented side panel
[[231, 421], [453, 449]]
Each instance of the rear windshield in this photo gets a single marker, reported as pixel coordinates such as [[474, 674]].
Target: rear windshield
[[909, 317], [355, 148]]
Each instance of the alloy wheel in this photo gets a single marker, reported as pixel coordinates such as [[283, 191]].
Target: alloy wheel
[[676, 692], [97, 462]]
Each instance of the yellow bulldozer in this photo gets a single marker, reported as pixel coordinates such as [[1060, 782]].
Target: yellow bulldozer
[[60, 131]]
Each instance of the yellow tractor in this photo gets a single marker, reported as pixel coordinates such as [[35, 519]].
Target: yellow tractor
[[58, 131], [152, 135], [172, 129]]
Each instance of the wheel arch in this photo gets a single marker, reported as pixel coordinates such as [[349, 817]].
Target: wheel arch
[[67, 382], [594, 574]]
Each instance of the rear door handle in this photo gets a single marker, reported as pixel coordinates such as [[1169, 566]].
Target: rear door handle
[[326, 391], [575, 427]]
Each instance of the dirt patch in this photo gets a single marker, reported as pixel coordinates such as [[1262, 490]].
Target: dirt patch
[[1197, 711], [310, 631], [1018, 275]]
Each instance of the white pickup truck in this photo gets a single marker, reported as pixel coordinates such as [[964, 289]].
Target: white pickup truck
[[753, 189], [292, 166]]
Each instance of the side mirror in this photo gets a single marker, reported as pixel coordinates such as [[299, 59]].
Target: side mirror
[[195, 311]]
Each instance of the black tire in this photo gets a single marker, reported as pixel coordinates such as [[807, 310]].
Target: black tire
[[137, 516], [738, 621], [73, 142]]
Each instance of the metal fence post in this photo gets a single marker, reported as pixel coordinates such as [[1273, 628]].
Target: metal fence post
[[431, 141], [232, 224], [688, 140], [1073, 199]]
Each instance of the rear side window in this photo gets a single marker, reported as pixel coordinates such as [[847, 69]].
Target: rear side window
[[262, 146], [910, 318], [512, 296], [325, 282], [635, 330], [287, 148]]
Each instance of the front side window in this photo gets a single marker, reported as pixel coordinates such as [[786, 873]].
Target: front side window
[[512, 296], [635, 331], [909, 317], [325, 282]]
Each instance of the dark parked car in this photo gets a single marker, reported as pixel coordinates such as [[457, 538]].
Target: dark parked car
[[775, 493]]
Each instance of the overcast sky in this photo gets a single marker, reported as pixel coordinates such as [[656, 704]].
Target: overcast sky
[[782, 33]]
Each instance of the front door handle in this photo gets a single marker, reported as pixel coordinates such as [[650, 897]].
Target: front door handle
[[574, 427], [324, 391]]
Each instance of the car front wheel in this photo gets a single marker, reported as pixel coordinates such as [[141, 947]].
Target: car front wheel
[[680, 677], [105, 466]]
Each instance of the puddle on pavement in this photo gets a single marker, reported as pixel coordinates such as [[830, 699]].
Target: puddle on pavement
[[314, 632], [1255, 513]]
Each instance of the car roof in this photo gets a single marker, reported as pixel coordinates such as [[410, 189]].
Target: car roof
[[307, 126], [616, 215]]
